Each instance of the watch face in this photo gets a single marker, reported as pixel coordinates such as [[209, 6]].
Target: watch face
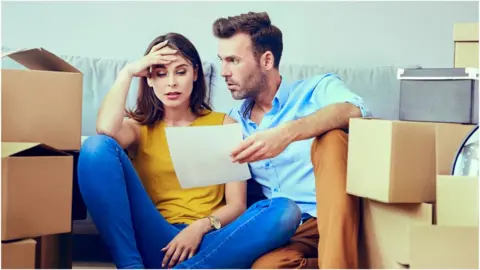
[[216, 223]]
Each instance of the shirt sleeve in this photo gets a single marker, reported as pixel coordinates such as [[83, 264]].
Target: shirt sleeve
[[331, 90]]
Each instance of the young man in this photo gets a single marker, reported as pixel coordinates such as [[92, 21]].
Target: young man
[[295, 144]]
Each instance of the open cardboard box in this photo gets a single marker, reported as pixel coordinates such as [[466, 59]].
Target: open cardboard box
[[42, 103], [36, 190], [19, 254]]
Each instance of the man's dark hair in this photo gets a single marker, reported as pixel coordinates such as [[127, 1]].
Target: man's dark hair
[[264, 35]]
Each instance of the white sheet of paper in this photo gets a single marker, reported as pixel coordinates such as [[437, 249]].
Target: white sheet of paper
[[201, 154]]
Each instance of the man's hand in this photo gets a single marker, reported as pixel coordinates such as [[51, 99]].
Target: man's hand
[[185, 244], [262, 145]]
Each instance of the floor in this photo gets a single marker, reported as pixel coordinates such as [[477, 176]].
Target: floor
[[92, 265]]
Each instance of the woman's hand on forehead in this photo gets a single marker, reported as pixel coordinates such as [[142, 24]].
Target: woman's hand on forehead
[[163, 49]]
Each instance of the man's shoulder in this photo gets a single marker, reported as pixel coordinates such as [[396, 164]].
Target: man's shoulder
[[310, 83]]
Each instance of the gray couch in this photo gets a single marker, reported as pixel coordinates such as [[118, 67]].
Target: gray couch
[[377, 85]]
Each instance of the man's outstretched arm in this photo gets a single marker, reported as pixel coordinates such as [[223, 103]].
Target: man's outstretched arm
[[334, 116], [335, 104]]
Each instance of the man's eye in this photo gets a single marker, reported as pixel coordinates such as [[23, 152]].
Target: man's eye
[[235, 61]]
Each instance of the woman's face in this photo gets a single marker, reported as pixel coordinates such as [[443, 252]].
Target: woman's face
[[173, 83]]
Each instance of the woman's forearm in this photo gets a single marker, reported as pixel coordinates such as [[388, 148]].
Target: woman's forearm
[[225, 214], [111, 112]]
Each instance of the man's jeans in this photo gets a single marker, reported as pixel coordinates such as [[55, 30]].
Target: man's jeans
[[135, 232]]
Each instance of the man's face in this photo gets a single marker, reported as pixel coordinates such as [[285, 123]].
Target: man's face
[[242, 72]]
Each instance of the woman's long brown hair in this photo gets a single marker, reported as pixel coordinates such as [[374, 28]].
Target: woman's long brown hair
[[149, 109]]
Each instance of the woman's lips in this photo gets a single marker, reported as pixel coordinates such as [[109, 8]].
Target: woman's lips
[[173, 95]]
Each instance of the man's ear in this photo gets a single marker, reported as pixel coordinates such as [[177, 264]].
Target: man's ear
[[267, 60]]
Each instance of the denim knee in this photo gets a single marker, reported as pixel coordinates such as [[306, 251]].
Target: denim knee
[[97, 144], [289, 215]]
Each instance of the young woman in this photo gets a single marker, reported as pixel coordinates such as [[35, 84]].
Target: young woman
[[143, 215]]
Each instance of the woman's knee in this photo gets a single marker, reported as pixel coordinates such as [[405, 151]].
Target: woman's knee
[[288, 215], [97, 144]]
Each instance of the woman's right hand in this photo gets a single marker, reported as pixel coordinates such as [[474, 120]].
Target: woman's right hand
[[158, 55]]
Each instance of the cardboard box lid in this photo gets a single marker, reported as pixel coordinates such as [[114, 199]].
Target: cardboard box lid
[[14, 148], [438, 74], [40, 59], [465, 32]]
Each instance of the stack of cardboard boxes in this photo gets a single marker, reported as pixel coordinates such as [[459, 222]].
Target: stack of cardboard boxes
[[41, 126], [415, 214]]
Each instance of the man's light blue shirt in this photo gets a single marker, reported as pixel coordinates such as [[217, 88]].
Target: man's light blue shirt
[[290, 174]]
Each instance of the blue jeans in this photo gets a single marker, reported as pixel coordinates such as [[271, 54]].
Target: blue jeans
[[135, 232]]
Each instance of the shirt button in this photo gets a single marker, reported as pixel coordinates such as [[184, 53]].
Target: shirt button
[[268, 164], [275, 189]]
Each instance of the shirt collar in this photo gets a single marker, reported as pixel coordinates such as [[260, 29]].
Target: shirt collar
[[282, 93]]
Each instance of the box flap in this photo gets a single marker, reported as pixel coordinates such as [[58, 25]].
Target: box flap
[[13, 148], [40, 59], [465, 32], [436, 74]]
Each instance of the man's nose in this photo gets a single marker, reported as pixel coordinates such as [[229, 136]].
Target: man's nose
[[225, 72]]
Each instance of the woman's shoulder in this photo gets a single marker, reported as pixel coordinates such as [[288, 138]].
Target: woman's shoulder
[[210, 117]]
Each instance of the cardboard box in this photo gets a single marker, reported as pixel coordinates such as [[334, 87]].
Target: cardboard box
[[36, 190], [19, 254], [42, 103], [439, 95], [465, 36], [443, 247], [391, 161], [386, 231], [457, 200], [448, 140]]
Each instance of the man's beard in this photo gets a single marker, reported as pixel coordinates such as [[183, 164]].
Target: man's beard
[[254, 85]]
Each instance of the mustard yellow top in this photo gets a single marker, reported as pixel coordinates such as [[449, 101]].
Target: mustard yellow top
[[155, 169]]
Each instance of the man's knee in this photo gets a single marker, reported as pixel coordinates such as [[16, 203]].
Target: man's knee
[[332, 136], [280, 259], [334, 140]]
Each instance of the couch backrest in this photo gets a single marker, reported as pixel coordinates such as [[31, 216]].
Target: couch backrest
[[378, 86]]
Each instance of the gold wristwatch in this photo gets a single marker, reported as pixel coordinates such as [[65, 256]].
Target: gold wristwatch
[[215, 222]]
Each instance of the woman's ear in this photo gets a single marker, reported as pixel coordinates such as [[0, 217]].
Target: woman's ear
[[149, 81], [195, 73], [149, 77]]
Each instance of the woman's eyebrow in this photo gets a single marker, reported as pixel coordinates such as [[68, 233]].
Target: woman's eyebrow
[[181, 65]]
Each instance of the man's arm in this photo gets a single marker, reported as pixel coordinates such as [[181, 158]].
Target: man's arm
[[333, 116], [335, 104]]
